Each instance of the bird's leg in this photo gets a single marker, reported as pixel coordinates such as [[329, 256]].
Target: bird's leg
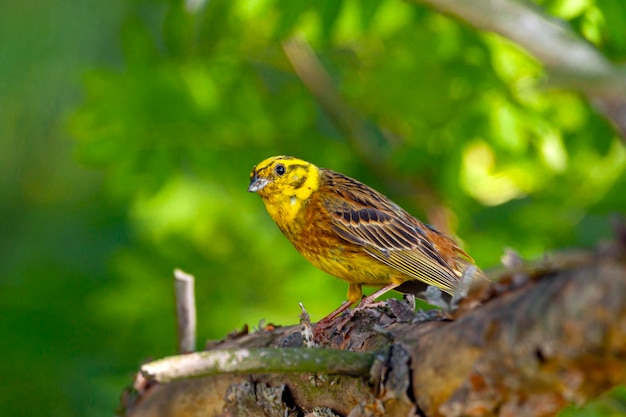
[[337, 312], [369, 300], [354, 294], [325, 323]]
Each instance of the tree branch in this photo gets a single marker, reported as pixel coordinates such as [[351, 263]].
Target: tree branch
[[572, 61], [531, 351], [256, 360]]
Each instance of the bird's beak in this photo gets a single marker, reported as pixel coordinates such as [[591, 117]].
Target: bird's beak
[[257, 184]]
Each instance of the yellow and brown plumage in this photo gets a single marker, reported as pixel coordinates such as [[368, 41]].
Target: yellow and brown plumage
[[353, 232]]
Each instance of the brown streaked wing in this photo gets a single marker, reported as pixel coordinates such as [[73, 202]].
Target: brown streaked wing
[[363, 216]]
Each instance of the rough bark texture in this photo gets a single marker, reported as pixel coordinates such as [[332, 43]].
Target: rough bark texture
[[544, 336]]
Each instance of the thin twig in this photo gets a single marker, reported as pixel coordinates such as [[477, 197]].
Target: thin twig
[[185, 311], [259, 360]]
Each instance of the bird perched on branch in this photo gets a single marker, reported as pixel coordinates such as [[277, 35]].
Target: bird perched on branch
[[355, 233]]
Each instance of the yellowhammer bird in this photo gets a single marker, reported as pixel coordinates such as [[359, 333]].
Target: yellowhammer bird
[[355, 233]]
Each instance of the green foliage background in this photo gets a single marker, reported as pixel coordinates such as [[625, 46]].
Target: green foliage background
[[129, 128]]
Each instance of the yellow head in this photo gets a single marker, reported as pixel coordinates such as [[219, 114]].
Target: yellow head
[[284, 183]]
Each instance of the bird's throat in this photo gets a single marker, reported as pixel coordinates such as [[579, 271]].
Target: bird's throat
[[285, 213], [288, 199]]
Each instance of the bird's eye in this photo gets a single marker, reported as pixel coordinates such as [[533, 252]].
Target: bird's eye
[[280, 169]]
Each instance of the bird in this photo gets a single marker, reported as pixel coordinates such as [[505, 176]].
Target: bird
[[353, 232]]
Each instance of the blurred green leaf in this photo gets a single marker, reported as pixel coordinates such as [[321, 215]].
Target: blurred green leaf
[[614, 15], [328, 11]]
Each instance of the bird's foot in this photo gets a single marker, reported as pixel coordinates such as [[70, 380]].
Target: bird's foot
[[367, 303], [327, 322]]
